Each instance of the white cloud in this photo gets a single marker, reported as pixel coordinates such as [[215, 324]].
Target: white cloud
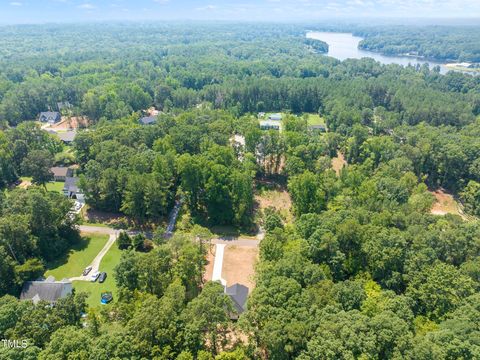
[[15, 3], [87, 6]]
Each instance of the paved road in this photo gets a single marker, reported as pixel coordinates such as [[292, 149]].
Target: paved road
[[97, 229], [237, 242]]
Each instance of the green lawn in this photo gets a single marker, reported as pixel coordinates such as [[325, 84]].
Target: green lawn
[[111, 259], [315, 119], [56, 186], [79, 257]]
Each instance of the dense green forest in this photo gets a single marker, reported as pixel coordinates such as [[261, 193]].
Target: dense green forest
[[444, 43], [363, 270]]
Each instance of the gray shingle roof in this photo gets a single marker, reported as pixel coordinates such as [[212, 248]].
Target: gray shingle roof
[[50, 116], [47, 290], [148, 120], [71, 185], [238, 293], [67, 136]]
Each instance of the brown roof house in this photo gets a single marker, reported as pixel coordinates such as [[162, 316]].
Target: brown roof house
[[47, 290], [60, 173]]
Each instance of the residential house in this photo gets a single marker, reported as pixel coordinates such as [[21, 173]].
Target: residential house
[[269, 125], [61, 173], [71, 189], [46, 290], [318, 128], [275, 117], [239, 294], [51, 117], [148, 120]]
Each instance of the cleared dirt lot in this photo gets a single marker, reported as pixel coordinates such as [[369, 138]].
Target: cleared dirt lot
[[238, 265], [70, 123], [445, 204], [338, 162]]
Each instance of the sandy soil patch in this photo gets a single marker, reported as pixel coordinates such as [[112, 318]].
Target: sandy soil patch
[[71, 123], [445, 204], [338, 162], [239, 265], [207, 276]]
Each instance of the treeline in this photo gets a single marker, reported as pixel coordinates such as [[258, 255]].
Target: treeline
[[443, 43]]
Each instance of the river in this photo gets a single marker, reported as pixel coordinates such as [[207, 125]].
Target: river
[[345, 46]]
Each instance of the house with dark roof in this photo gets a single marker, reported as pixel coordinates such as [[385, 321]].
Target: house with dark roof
[[148, 120], [47, 290], [71, 189], [239, 294], [51, 117], [60, 173]]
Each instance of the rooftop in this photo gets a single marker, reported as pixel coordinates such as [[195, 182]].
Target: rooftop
[[238, 293], [46, 290]]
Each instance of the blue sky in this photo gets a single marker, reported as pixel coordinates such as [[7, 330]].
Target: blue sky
[[41, 11]]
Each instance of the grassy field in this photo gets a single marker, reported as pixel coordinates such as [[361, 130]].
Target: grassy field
[[111, 259], [56, 186], [315, 119], [79, 257]]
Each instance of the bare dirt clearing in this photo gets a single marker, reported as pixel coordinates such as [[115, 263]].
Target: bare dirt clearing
[[445, 204], [70, 123], [338, 163], [239, 265]]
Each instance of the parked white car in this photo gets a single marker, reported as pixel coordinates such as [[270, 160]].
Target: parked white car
[[94, 276]]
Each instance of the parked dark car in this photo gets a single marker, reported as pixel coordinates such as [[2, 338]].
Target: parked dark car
[[102, 277]]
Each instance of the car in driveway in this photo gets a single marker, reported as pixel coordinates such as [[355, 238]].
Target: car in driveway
[[102, 277], [87, 270], [94, 276]]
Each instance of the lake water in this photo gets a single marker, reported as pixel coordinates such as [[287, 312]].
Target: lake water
[[345, 46]]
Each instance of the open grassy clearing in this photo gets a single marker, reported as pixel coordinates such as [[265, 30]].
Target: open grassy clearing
[[55, 186], [315, 119], [276, 196], [94, 290], [78, 258]]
